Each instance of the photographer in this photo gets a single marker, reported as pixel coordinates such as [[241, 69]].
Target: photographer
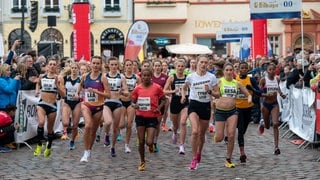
[[7, 127], [310, 74]]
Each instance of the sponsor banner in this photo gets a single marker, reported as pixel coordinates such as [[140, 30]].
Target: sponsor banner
[[259, 38], [284, 104], [236, 30], [136, 37], [81, 31], [271, 9], [220, 39], [26, 116], [303, 117]]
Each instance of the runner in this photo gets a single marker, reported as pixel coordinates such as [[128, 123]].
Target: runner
[[202, 85], [47, 106], [178, 111], [128, 111], [244, 108], [96, 87], [112, 110], [70, 106], [270, 86], [148, 99], [226, 114]]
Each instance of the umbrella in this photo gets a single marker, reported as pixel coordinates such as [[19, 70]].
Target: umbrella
[[188, 49]]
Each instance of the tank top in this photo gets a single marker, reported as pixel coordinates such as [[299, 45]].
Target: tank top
[[228, 88], [197, 86], [48, 84], [178, 83], [93, 99], [242, 99], [114, 82], [131, 82], [71, 87], [271, 86]]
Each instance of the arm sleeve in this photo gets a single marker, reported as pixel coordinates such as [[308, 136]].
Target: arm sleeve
[[7, 129], [9, 58]]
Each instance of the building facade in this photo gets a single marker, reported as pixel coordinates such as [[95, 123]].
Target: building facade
[[197, 21], [109, 24]]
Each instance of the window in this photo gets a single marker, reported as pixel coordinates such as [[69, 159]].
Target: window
[[112, 5], [17, 6], [275, 43], [51, 6], [216, 47]]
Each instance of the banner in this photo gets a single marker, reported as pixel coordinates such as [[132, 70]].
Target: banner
[[236, 30], [302, 121], [220, 39], [136, 37], [81, 31], [1, 46], [259, 38], [284, 104], [271, 9], [26, 116]]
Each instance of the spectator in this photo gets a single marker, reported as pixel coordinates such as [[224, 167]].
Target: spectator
[[8, 86], [7, 128], [32, 74]]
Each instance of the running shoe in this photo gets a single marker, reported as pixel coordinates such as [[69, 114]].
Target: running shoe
[[107, 141], [137, 142], [214, 139], [198, 157], [151, 148], [188, 123], [127, 149], [229, 164], [277, 151], [181, 150], [142, 166], [38, 150], [164, 127], [4, 149], [86, 156], [97, 138], [64, 136], [194, 164], [211, 128], [119, 137], [156, 148], [243, 158], [47, 152], [261, 127], [72, 145], [11, 146], [113, 152], [170, 129], [174, 138]]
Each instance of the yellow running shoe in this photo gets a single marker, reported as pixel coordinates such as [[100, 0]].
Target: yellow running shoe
[[229, 164], [64, 136], [38, 150], [214, 139], [142, 166], [47, 153]]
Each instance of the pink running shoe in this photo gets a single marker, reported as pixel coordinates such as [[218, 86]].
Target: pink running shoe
[[194, 164]]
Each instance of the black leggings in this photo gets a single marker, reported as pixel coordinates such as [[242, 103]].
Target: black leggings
[[244, 118]]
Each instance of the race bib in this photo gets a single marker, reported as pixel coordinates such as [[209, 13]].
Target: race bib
[[71, 94], [90, 97], [144, 103], [48, 84], [201, 92]]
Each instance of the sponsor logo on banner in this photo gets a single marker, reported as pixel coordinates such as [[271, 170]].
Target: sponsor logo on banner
[[236, 30], [271, 9], [136, 37], [220, 39]]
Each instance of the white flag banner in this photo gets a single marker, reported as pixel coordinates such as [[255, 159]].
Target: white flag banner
[[271, 9], [303, 116], [26, 116]]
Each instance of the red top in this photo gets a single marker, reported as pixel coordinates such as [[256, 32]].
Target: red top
[[161, 80], [147, 99]]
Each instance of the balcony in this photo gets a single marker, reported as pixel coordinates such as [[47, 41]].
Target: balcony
[[157, 11]]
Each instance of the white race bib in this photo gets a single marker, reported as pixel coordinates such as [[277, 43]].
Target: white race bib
[[144, 103]]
